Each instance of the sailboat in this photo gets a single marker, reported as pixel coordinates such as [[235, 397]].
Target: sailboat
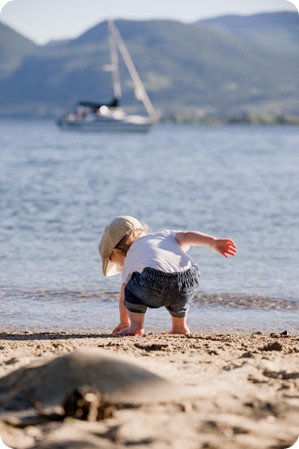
[[94, 116]]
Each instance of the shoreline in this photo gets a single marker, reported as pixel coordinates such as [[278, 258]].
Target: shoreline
[[94, 312], [102, 318], [244, 391]]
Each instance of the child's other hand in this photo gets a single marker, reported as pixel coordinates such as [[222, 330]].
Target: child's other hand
[[119, 327], [225, 247]]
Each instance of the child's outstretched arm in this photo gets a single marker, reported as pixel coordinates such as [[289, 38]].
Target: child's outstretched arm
[[225, 247], [123, 313]]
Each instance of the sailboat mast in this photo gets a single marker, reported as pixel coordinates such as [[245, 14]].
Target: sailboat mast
[[114, 62], [139, 88]]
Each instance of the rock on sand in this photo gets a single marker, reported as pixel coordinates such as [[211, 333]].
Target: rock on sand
[[114, 375]]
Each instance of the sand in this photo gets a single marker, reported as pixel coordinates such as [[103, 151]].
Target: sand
[[228, 391]]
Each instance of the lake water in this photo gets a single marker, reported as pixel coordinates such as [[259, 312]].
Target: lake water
[[59, 189]]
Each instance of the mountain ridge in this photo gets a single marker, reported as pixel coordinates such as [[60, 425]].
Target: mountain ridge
[[229, 65]]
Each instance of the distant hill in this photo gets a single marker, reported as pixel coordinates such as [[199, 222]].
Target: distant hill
[[267, 30], [13, 49], [230, 65]]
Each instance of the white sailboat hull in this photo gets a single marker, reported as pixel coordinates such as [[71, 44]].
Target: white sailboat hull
[[106, 124]]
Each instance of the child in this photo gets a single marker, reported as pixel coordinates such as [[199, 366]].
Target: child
[[156, 270]]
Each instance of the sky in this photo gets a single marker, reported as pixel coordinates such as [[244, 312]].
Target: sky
[[45, 20]]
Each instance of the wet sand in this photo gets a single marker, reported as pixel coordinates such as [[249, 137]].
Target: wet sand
[[232, 391]]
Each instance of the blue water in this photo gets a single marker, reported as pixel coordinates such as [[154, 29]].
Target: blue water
[[59, 189]]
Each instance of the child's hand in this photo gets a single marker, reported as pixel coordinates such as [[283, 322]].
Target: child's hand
[[225, 247], [119, 327]]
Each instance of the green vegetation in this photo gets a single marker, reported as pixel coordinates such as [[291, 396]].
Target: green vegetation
[[239, 119]]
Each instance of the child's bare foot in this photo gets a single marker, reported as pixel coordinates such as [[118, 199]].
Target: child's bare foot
[[137, 324], [179, 325], [183, 330], [131, 331]]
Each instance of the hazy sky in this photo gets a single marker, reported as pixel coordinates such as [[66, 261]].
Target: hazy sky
[[43, 20]]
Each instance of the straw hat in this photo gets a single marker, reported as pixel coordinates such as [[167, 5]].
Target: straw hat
[[112, 235]]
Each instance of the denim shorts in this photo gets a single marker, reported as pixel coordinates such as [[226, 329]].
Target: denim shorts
[[153, 288]]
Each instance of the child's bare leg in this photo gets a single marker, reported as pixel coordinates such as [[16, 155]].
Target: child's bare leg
[[179, 325], [136, 327]]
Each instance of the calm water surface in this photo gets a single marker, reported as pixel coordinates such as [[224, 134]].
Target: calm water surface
[[59, 189]]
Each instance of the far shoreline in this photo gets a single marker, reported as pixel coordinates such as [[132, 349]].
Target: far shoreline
[[185, 119]]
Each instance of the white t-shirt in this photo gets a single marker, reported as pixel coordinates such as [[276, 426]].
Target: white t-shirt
[[159, 250]]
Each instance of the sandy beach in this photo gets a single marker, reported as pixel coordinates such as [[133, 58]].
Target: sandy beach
[[228, 391]]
